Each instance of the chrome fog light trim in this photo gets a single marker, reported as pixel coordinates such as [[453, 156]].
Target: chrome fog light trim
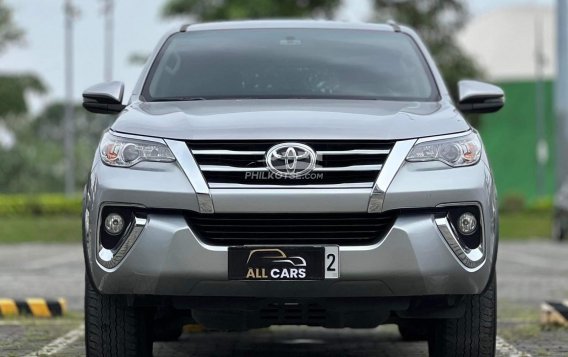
[[110, 258], [470, 258]]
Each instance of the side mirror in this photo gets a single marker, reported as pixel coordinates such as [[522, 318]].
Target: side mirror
[[104, 98], [479, 97]]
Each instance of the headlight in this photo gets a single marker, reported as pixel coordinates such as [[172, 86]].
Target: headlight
[[125, 152], [456, 152]]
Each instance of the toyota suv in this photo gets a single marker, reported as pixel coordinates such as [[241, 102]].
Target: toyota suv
[[290, 173]]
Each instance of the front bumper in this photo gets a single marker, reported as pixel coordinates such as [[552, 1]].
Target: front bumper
[[413, 259]]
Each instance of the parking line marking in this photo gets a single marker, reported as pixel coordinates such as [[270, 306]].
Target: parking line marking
[[59, 343], [509, 350]]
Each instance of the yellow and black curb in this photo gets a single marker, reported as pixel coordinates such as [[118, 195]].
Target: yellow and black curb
[[554, 314], [35, 307]]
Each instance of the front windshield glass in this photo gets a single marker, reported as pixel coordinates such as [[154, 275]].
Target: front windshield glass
[[290, 63]]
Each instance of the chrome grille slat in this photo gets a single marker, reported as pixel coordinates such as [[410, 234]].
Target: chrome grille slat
[[349, 168], [217, 168], [226, 152], [337, 185], [354, 152], [242, 164]]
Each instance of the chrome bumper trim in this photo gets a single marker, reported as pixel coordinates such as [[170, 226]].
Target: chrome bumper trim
[[470, 258], [108, 258]]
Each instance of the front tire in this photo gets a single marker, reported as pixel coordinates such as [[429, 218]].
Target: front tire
[[114, 329], [473, 334]]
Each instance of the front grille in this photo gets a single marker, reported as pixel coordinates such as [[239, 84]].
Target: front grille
[[237, 163], [287, 228]]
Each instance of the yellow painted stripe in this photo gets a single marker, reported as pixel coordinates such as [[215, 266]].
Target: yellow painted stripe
[[38, 307], [8, 307], [63, 303]]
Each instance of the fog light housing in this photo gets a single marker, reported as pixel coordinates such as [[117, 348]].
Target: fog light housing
[[467, 223], [114, 224]]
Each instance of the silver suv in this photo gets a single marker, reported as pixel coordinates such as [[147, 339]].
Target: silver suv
[[290, 173]]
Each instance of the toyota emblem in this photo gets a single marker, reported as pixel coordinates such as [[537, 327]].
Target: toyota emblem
[[291, 160]]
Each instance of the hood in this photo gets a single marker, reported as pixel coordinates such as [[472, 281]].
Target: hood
[[287, 119]]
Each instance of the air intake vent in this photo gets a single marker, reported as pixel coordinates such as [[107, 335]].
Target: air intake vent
[[310, 314], [231, 164], [284, 228]]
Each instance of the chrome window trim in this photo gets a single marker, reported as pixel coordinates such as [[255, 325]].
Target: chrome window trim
[[187, 163], [393, 163]]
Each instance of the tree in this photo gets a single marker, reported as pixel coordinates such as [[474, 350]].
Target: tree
[[437, 22], [36, 163], [9, 32], [12, 90], [209, 10], [14, 87], [212, 10]]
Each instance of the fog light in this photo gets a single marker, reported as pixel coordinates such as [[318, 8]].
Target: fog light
[[467, 224], [114, 224]]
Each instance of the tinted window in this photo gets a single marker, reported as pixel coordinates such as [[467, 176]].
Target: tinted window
[[290, 63]]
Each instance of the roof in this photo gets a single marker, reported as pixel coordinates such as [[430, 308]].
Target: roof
[[260, 24]]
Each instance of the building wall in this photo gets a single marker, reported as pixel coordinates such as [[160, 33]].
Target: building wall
[[510, 139]]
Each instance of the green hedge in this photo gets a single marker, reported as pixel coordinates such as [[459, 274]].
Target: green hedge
[[58, 204], [39, 205]]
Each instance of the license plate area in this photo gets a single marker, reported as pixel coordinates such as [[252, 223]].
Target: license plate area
[[283, 263]]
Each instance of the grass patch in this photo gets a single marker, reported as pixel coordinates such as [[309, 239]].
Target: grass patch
[[47, 229], [518, 322], [525, 225]]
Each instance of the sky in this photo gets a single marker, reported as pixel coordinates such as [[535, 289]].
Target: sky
[[138, 27]]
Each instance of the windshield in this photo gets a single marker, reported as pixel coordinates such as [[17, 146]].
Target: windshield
[[290, 63]]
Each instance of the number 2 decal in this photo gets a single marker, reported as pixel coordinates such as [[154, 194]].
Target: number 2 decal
[[331, 265]]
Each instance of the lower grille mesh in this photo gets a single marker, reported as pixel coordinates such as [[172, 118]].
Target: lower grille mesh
[[285, 228], [310, 314]]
